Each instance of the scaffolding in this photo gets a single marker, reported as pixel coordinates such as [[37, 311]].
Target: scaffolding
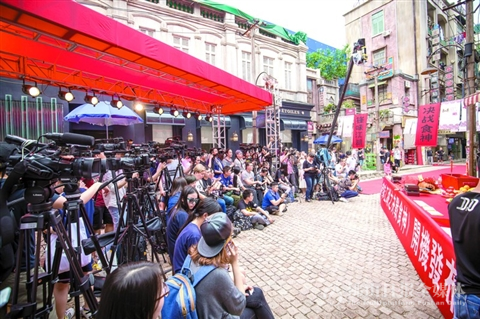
[[272, 126], [219, 130]]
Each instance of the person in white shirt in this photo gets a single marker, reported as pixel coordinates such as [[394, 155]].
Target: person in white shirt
[[397, 156], [341, 169], [351, 162]]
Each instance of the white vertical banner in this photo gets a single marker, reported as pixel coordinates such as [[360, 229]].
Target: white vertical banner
[[348, 126], [340, 126]]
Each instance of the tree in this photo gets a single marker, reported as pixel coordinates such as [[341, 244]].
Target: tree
[[332, 63]]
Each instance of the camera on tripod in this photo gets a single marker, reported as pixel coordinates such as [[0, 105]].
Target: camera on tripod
[[114, 144]]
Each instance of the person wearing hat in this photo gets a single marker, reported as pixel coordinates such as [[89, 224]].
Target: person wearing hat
[[217, 295]]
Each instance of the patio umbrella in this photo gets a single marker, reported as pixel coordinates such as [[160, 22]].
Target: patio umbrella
[[324, 138], [103, 114]]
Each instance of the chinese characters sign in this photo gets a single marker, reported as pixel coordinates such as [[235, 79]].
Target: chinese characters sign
[[359, 130], [427, 245], [427, 125]]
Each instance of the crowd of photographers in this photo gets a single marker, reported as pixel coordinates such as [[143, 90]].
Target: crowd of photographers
[[249, 185]]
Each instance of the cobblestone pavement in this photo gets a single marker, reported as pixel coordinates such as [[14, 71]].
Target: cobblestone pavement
[[342, 260]]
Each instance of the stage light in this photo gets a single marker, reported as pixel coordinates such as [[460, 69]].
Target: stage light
[[174, 112], [198, 116], [138, 106], [116, 102], [91, 99], [186, 114], [31, 90], [158, 110], [209, 118], [64, 95]]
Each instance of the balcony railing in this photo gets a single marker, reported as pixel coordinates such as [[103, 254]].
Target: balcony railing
[[180, 5]]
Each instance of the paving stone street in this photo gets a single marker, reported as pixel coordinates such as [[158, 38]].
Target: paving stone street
[[342, 260]]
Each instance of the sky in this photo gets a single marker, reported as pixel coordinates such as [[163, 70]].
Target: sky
[[321, 20]]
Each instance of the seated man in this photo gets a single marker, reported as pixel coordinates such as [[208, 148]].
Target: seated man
[[347, 185], [228, 189], [273, 202], [258, 217], [289, 189], [341, 169], [248, 180]]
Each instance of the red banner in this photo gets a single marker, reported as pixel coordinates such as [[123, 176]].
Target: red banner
[[427, 125], [359, 130], [428, 245]]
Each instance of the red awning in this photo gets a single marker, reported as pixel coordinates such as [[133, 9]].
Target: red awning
[[66, 44], [471, 99]]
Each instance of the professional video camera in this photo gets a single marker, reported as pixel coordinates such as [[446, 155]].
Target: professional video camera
[[113, 144]]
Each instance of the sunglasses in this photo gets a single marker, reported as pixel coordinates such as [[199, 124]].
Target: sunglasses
[[193, 200]]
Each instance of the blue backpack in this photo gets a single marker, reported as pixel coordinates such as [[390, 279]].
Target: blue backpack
[[180, 302]]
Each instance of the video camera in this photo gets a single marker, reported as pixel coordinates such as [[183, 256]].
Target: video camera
[[250, 147]]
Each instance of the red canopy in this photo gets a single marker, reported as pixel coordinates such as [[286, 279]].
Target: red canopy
[[63, 43]]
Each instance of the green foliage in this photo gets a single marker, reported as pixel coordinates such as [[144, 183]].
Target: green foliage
[[348, 104], [332, 63], [329, 107]]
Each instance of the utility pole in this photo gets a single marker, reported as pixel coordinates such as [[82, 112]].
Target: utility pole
[[377, 126], [471, 109]]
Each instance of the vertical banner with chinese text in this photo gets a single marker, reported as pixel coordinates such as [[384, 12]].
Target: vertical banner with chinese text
[[359, 130], [427, 125]]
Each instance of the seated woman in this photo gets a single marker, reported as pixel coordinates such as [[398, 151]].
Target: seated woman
[[217, 295], [177, 186], [189, 234], [134, 290], [187, 203]]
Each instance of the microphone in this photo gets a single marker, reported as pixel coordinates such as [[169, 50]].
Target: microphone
[[71, 138], [17, 140]]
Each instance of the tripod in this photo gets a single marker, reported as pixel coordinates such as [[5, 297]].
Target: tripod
[[325, 185], [41, 217], [132, 237]]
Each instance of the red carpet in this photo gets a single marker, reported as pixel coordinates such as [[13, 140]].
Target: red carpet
[[373, 187]]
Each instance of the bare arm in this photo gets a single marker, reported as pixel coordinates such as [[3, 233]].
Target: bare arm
[[85, 197]]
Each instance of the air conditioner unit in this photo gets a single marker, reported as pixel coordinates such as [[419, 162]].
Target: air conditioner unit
[[386, 33], [407, 84]]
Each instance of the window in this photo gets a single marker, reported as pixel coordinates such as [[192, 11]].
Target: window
[[210, 53], [268, 65], [377, 23], [246, 66], [383, 95], [288, 75], [310, 85], [379, 57], [148, 32], [180, 43]]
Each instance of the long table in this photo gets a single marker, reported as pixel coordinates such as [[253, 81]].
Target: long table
[[427, 240]]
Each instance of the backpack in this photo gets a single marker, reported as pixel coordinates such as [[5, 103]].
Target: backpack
[[180, 302]]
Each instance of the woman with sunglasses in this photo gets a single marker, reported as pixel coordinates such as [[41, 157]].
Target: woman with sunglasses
[[188, 201], [190, 234], [218, 296], [134, 290]]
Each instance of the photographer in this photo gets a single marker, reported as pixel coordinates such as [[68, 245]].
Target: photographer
[[273, 202], [206, 186], [347, 186]]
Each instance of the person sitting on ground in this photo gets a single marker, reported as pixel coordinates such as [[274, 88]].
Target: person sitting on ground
[[237, 179], [346, 186], [186, 204], [341, 169], [190, 234], [265, 178], [248, 180], [273, 202], [133, 290], [205, 185], [289, 189], [258, 217], [218, 296], [229, 191], [239, 161]]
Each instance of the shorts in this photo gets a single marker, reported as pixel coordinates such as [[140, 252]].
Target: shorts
[[65, 276], [101, 216]]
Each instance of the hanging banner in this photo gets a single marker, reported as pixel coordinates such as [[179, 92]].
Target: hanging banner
[[450, 116], [359, 130], [427, 125], [347, 126]]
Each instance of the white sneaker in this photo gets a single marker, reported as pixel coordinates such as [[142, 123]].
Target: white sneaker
[[69, 313], [343, 199]]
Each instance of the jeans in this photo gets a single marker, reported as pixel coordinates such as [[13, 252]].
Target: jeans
[[309, 182], [466, 306], [228, 200], [349, 194], [221, 202], [257, 306], [115, 216]]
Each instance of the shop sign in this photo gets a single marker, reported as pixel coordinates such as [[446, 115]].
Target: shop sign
[[388, 73], [310, 126], [385, 134], [444, 132]]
